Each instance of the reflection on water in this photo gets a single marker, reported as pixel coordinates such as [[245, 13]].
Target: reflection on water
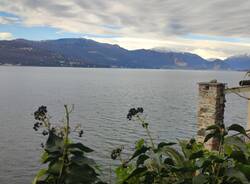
[[102, 98]]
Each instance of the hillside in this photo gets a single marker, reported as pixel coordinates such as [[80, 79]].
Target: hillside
[[240, 62], [89, 53]]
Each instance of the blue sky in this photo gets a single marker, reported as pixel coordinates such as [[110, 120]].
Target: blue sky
[[212, 29], [19, 30]]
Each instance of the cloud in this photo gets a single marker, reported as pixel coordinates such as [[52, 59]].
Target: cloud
[[6, 36], [205, 48], [8, 20], [155, 20]]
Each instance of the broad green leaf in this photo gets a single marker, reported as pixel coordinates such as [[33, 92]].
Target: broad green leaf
[[39, 175], [80, 146], [122, 173], [162, 144], [139, 144], [82, 160], [209, 136], [48, 157], [245, 169], [234, 173], [174, 155], [76, 152], [54, 143], [189, 148], [237, 128], [55, 167], [142, 150], [228, 149], [137, 171], [80, 174], [235, 142]]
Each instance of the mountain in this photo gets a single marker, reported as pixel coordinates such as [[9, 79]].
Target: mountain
[[240, 62], [88, 53]]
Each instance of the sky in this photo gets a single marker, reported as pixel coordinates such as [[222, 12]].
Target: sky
[[209, 28]]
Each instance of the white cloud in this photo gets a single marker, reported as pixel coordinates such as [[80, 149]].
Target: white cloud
[[6, 36], [142, 24], [205, 48]]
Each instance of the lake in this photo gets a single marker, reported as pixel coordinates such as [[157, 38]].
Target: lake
[[102, 98]]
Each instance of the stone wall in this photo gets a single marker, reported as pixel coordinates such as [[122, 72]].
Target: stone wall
[[210, 108]]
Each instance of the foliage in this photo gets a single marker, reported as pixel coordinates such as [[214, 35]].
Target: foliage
[[181, 162], [188, 162], [66, 161]]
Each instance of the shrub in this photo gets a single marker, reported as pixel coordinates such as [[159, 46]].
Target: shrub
[[181, 162], [66, 161], [187, 162]]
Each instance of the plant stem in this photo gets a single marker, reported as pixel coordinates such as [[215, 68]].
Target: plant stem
[[147, 130], [220, 150], [65, 149]]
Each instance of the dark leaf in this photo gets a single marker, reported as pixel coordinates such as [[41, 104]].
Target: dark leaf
[[82, 160], [174, 155], [184, 169], [81, 147], [169, 161], [162, 144], [80, 174], [141, 159], [149, 178], [206, 164], [245, 169], [237, 175], [197, 154], [209, 136], [237, 128], [238, 156], [136, 172], [142, 150], [54, 143], [55, 167]]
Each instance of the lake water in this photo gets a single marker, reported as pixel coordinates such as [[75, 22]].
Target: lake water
[[102, 98]]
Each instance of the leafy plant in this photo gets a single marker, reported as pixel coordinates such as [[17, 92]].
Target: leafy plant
[[66, 161], [181, 162], [187, 162]]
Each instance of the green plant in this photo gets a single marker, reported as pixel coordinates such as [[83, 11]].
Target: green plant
[[187, 162], [66, 161], [184, 162]]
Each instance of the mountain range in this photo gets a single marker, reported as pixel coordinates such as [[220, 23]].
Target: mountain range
[[80, 52]]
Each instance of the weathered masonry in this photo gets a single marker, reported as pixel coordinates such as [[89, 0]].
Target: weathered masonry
[[211, 106]]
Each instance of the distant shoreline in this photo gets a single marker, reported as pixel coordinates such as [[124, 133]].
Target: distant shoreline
[[184, 69]]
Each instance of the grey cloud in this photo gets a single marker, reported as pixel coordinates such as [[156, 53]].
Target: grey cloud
[[146, 19], [213, 17], [8, 20]]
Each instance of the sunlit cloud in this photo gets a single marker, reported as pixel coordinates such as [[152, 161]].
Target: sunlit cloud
[[6, 36], [205, 48]]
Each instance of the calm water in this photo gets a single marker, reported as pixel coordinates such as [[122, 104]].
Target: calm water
[[102, 98]]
